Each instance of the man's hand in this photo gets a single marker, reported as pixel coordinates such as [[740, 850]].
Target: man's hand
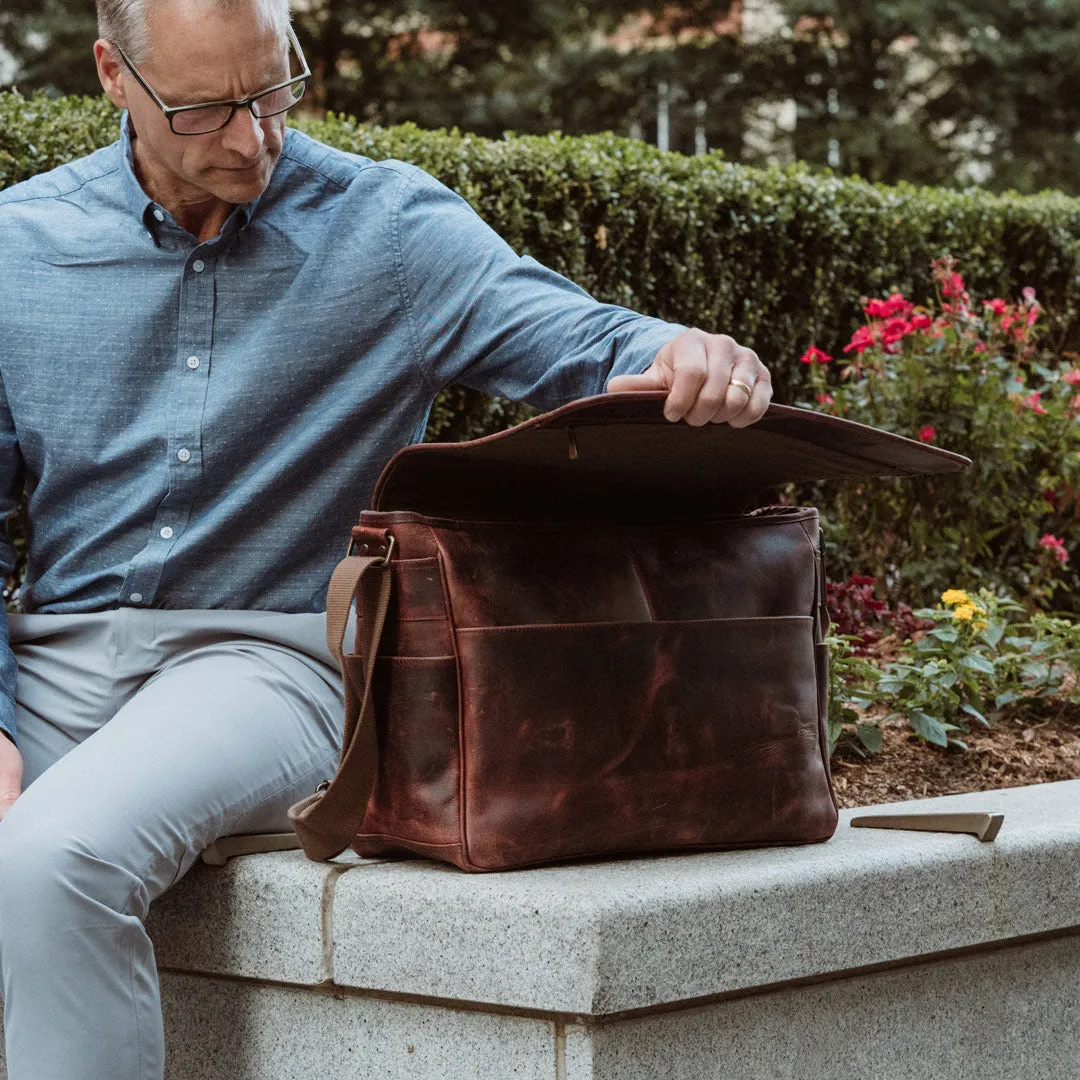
[[709, 378], [11, 774]]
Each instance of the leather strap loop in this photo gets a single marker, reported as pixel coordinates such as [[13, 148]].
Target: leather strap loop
[[327, 822]]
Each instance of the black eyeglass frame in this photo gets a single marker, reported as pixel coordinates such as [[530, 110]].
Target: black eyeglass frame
[[171, 110]]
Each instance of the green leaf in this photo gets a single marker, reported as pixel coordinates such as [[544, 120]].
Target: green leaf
[[1006, 698], [944, 633], [930, 729], [978, 662], [871, 736], [993, 634], [972, 711]]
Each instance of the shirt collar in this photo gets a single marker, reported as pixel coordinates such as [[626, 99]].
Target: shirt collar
[[143, 207]]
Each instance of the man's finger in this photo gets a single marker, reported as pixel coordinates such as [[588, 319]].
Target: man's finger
[[11, 774], [746, 371], [755, 406], [702, 366], [652, 379], [722, 396]]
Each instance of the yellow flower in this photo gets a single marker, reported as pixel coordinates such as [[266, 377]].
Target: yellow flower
[[964, 612], [977, 626], [954, 596]]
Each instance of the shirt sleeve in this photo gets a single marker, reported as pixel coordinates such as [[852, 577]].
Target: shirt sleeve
[[484, 317], [11, 483]]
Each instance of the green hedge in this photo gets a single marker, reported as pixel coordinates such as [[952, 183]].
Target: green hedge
[[776, 257]]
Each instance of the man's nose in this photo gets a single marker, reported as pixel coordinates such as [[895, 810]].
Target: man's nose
[[244, 134]]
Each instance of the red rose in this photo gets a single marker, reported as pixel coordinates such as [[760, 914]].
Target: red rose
[[894, 330], [927, 434], [861, 340], [814, 355]]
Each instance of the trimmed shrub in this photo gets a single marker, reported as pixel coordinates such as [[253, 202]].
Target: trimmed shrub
[[775, 257]]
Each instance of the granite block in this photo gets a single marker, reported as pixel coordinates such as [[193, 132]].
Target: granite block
[[634, 934], [232, 1030], [259, 916], [997, 1016]]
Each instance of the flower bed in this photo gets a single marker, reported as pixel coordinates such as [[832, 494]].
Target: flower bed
[[1027, 746]]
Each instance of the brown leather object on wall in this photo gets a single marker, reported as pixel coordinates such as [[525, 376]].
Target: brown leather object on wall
[[579, 646]]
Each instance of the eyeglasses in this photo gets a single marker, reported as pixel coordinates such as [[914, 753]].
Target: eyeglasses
[[210, 116]]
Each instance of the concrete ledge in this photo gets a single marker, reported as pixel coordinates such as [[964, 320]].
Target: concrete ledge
[[620, 937], [877, 956]]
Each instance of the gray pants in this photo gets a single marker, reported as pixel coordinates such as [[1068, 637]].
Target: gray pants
[[146, 735]]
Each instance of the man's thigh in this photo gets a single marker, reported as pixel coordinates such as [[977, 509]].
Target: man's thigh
[[222, 739]]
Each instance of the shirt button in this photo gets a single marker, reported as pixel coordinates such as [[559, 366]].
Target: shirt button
[[166, 533], [184, 455], [193, 362], [161, 217], [198, 266], [136, 597]]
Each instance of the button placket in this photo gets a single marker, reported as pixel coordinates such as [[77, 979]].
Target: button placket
[[195, 333]]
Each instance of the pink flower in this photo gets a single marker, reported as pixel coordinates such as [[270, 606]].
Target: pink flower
[[1033, 315], [1056, 546], [921, 322], [1006, 321], [1034, 404], [1072, 377], [997, 305], [1028, 295], [952, 284], [814, 355], [894, 330], [927, 434], [980, 347], [861, 340], [947, 279], [826, 399], [884, 309]]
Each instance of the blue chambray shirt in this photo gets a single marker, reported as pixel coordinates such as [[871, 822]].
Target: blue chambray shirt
[[199, 425]]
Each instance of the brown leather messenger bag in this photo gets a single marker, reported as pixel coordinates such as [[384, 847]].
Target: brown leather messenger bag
[[574, 641]]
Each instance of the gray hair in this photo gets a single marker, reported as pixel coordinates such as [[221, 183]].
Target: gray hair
[[124, 21]]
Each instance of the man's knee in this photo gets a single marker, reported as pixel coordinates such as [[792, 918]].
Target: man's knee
[[49, 871]]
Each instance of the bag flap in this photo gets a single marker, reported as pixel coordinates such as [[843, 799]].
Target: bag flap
[[615, 457]]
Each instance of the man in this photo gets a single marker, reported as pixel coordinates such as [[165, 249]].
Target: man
[[213, 334]]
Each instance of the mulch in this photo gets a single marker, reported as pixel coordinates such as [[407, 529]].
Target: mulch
[[1037, 742]]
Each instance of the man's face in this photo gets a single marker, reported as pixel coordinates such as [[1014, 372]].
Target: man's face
[[198, 55]]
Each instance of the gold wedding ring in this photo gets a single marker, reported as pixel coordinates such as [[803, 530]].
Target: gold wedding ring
[[745, 387]]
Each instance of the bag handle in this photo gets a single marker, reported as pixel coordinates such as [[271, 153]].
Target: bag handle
[[329, 820]]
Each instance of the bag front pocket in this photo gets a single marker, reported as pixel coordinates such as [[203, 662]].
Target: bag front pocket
[[607, 737]]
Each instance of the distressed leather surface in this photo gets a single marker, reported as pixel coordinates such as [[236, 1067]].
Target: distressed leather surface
[[546, 693]]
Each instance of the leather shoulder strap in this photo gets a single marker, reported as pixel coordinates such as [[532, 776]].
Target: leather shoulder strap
[[328, 821]]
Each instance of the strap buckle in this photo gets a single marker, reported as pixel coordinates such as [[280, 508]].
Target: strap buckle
[[385, 560]]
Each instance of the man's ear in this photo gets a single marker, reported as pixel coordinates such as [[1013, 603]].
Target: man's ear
[[111, 73]]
